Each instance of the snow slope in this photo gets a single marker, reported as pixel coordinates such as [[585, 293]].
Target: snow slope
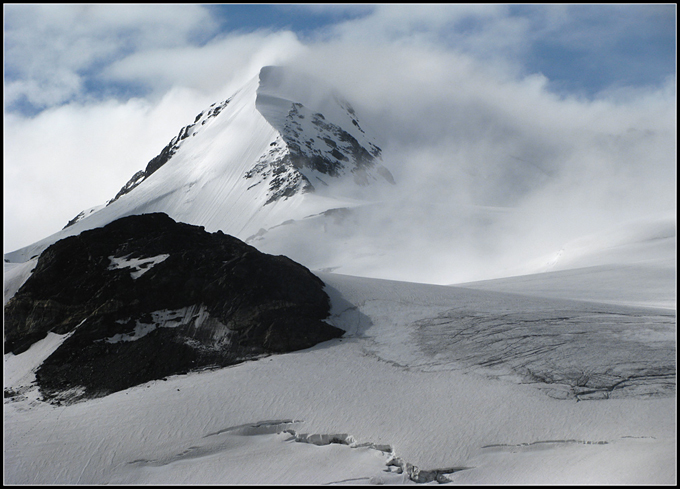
[[427, 376], [14, 276], [633, 263]]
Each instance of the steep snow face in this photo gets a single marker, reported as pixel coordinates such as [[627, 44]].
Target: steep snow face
[[248, 163], [14, 277], [172, 147]]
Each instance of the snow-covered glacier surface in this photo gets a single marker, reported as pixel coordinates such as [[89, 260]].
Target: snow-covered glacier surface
[[430, 383]]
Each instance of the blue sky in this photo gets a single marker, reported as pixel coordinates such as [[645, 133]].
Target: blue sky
[[301, 19], [580, 49], [92, 92], [628, 45], [598, 46]]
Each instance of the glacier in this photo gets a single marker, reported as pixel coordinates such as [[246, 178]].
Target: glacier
[[384, 385]]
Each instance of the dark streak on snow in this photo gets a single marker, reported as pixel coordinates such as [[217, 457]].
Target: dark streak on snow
[[413, 472], [543, 442]]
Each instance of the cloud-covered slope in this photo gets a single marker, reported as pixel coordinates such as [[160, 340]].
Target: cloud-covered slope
[[633, 263]]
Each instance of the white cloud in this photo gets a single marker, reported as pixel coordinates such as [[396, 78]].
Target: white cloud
[[458, 132], [49, 47], [487, 31], [224, 61], [70, 158]]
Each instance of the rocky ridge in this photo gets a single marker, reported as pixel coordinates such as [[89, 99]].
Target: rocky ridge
[[145, 297], [167, 152], [312, 150]]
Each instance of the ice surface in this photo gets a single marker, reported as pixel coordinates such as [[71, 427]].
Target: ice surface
[[395, 382]]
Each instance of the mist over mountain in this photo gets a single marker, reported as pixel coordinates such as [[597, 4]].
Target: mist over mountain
[[283, 147], [289, 165]]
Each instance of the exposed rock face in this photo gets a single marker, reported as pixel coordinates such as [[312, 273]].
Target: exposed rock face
[[145, 297], [311, 150]]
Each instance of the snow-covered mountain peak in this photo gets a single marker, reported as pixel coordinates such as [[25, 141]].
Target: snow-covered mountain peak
[[284, 146], [319, 136], [315, 94]]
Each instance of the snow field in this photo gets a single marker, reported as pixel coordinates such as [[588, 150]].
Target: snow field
[[190, 428], [14, 276]]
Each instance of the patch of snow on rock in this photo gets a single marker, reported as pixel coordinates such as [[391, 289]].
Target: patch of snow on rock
[[140, 265]]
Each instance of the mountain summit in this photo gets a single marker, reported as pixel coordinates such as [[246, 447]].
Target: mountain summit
[[248, 163], [308, 149]]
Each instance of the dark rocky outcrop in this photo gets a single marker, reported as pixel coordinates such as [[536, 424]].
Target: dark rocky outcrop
[[145, 297]]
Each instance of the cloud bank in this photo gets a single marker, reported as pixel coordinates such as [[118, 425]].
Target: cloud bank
[[451, 93]]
